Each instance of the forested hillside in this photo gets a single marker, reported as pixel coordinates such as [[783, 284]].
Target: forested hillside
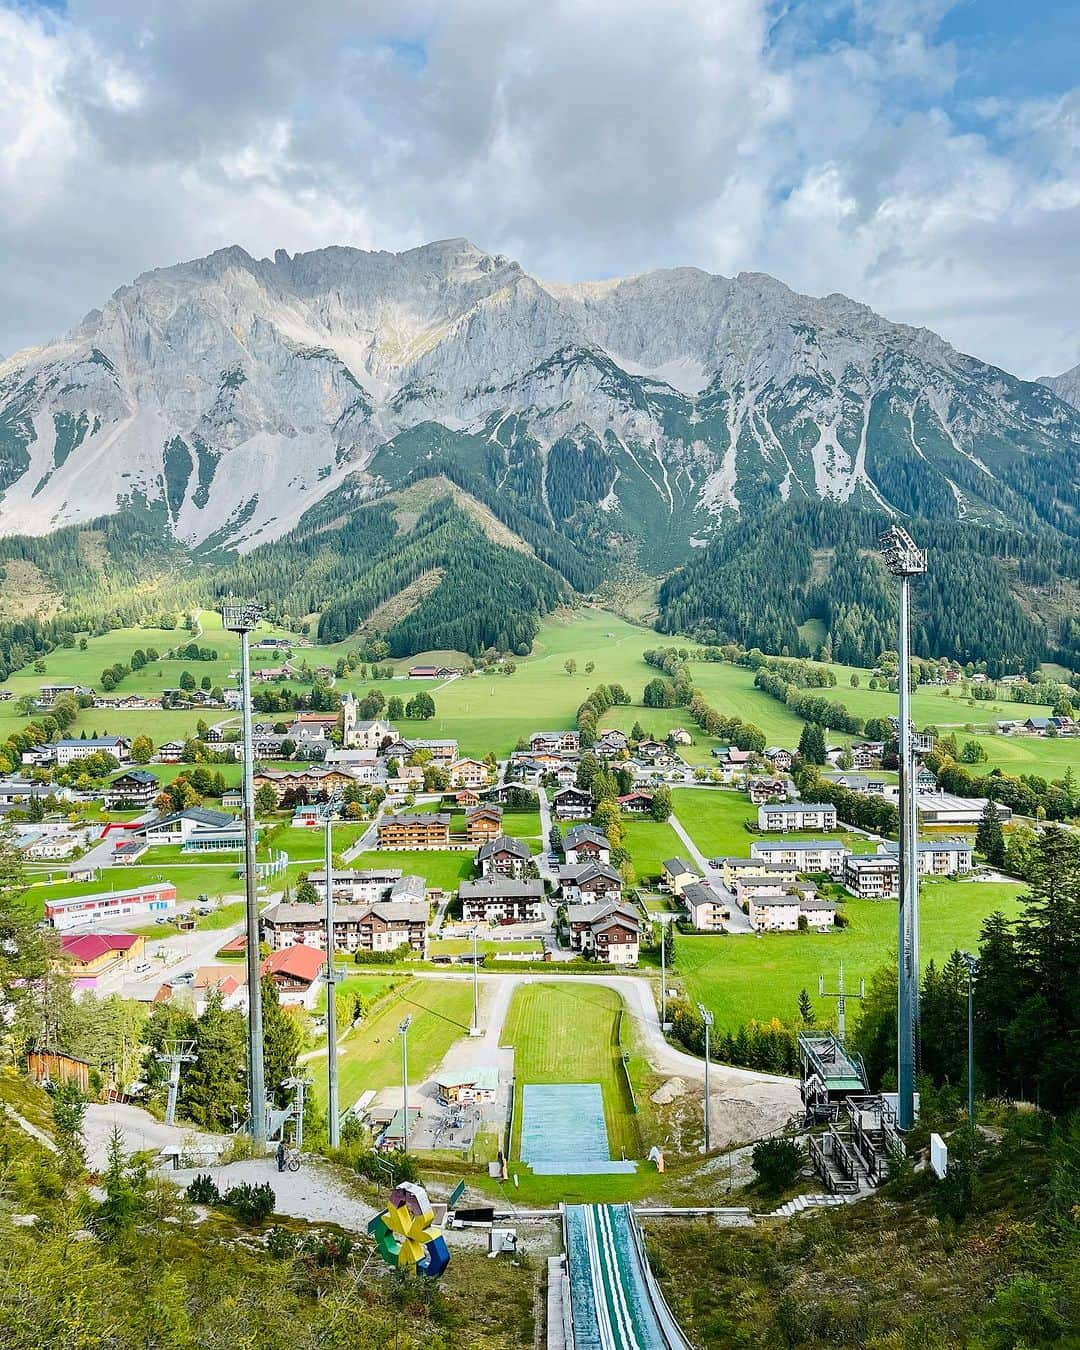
[[766, 576]]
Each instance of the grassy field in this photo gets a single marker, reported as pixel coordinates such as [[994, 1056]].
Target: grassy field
[[1048, 757], [443, 870], [739, 978], [463, 946], [370, 1056], [566, 1034], [715, 819], [363, 986], [649, 843], [212, 879]]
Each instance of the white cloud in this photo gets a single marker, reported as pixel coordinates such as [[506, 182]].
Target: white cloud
[[584, 137]]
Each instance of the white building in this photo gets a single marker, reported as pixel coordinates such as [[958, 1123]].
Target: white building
[[938, 857], [872, 876], [786, 816], [706, 909], [81, 911], [805, 855]]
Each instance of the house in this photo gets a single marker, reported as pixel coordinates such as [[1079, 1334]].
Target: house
[[409, 778], [856, 782], [572, 803], [680, 736], [508, 792], [762, 788], [610, 932], [585, 883], [732, 756], [636, 803], [233, 799], [134, 790], [496, 898], [466, 798], [16, 790], [171, 752], [88, 955], [555, 742], [45, 844], [732, 868], [503, 856], [73, 748], [779, 758], [566, 774], [867, 755], [197, 829], [675, 874], [49, 693], [483, 823], [804, 855], [467, 1087], [781, 913], [749, 885], [295, 971], [950, 857], [925, 779], [305, 783], [706, 909], [430, 672], [611, 742], [84, 910], [786, 816], [419, 829], [369, 885], [585, 843], [380, 927], [443, 750], [872, 876], [942, 808], [469, 773]]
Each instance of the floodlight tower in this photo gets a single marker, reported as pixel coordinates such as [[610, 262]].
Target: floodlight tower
[[241, 619], [328, 812], [707, 1018], [904, 560]]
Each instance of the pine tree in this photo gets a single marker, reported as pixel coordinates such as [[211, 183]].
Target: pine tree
[[806, 1009], [281, 1040], [812, 744], [990, 837]]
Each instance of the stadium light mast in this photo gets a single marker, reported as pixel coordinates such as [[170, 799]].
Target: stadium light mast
[[241, 619], [904, 560], [332, 1116], [707, 1018]]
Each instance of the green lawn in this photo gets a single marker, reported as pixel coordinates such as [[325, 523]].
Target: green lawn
[[463, 946], [715, 818], [438, 869], [370, 1056], [212, 879], [744, 977], [649, 843], [1047, 757], [364, 986]]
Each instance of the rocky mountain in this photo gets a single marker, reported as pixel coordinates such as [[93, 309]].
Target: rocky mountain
[[1066, 386], [637, 414]]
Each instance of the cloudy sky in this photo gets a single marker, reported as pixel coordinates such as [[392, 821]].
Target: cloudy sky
[[920, 155]]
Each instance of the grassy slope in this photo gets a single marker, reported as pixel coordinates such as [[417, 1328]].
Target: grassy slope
[[715, 818], [739, 978], [371, 1055]]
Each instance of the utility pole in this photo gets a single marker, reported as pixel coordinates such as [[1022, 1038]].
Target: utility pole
[[971, 964], [904, 560], [663, 975], [403, 1027], [241, 619], [707, 1018], [841, 1000], [474, 1030], [333, 1119], [175, 1054]]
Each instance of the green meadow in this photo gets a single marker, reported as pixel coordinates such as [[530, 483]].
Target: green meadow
[[743, 977]]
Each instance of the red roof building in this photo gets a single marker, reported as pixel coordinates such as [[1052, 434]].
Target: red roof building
[[94, 951], [294, 968]]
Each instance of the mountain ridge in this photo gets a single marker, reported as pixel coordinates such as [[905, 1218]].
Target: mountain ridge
[[646, 411]]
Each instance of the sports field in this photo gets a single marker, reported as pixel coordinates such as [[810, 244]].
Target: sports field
[[742, 977], [370, 1056], [564, 1033]]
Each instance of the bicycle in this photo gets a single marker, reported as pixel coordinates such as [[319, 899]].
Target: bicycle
[[292, 1159]]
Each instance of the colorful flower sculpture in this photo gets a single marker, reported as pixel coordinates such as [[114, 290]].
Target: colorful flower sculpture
[[405, 1232]]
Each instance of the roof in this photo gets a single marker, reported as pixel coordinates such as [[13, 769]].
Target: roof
[[99, 742], [134, 776], [789, 807], [417, 818], [949, 845], [760, 846], [580, 872], [485, 1077], [298, 961], [89, 946], [293, 911], [677, 866], [200, 815], [509, 888], [495, 812], [578, 834], [573, 792], [701, 893], [633, 796], [593, 914], [504, 844]]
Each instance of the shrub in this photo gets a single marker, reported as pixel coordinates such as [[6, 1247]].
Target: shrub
[[250, 1203], [203, 1190], [777, 1162], [375, 1167]]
